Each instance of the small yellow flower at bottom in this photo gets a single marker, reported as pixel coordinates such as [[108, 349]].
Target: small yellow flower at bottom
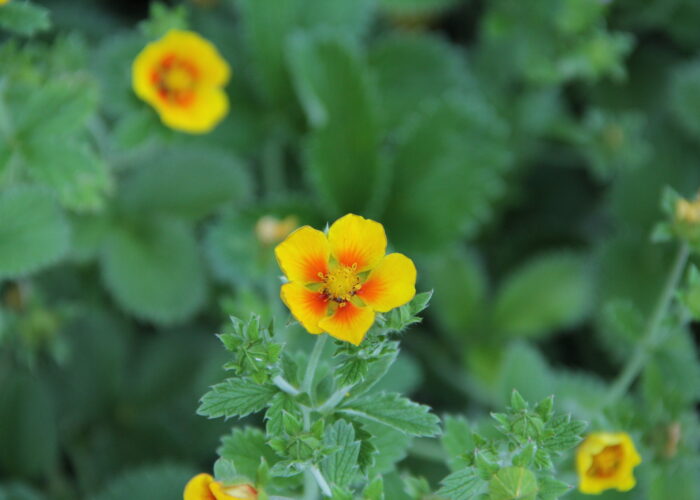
[[204, 487], [182, 76], [605, 460], [688, 211]]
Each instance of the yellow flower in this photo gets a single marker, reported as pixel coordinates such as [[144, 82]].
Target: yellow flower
[[270, 230], [203, 487], [688, 211], [3, 2], [338, 281], [181, 76], [605, 460]]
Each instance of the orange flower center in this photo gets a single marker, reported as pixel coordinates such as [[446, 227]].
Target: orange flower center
[[606, 463], [341, 283], [176, 80]]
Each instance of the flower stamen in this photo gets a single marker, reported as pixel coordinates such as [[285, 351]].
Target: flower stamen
[[341, 283]]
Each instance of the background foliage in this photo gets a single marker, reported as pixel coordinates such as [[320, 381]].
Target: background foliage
[[516, 150]]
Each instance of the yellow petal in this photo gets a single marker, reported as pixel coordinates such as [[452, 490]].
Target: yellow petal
[[208, 107], [623, 477], [213, 69], [391, 284], [237, 492], [349, 323], [356, 240], [198, 488], [206, 103], [304, 255], [308, 307]]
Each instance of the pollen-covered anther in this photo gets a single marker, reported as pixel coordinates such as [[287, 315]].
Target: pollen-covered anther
[[341, 283]]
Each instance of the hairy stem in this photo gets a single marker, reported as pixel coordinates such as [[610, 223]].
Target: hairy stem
[[652, 333], [322, 483], [285, 386], [313, 364]]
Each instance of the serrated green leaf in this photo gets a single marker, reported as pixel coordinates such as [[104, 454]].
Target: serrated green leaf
[[281, 403], [235, 397], [72, 170], [342, 155], [552, 489], [154, 271], [58, 109], [552, 291], [562, 433], [456, 440], [382, 447], [24, 18], [513, 483], [244, 448], [396, 412], [412, 68], [340, 467], [377, 368], [464, 484], [448, 161], [187, 182], [374, 490], [543, 459], [163, 482], [33, 231]]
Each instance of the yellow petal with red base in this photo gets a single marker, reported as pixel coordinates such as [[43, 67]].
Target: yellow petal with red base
[[208, 107], [349, 323], [355, 240], [236, 492], [307, 306], [181, 76], [391, 284], [605, 460], [198, 488], [304, 255]]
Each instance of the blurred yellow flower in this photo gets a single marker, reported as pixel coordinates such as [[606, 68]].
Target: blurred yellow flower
[[605, 460], [3, 2], [203, 487], [271, 230], [182, 76], [338, 281], [688, 211]]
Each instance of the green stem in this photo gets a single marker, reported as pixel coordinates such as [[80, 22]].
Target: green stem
[[310, 486], [311, 483], [313, 364], [651, 337]]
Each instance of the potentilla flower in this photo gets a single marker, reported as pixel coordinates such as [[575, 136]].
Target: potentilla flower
[[338, 281], [182, 76], [204, 487], [605, 460], [688, 211]]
